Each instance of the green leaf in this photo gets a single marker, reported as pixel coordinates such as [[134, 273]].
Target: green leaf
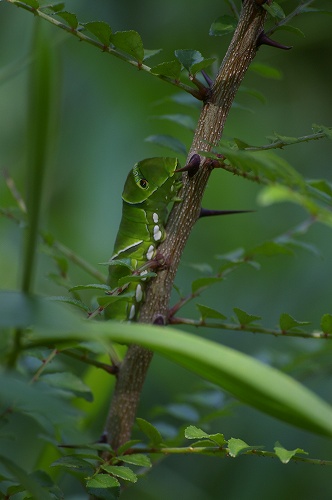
[[322, 185], [92, 286], [184, 120], [135, 459], [129, 42], [237, 447], [110, 299], [135, 279], [326, 323], [29, 483], [223, 25], [150, 431], [252, 382], [285, 455], [266, 71], [70, 18], [322, 129], [193, 60], [75, 463], [287, 322], [100, 30], [182, 411], [245, 318], [150, 53], [103, 486], [274, 10], [18, 310], [208, 312], [68, 382], [188, 57], [270, 248], [72, 302], [204, 63], [32, 3], [193, 432], [167, 141], [218, 438], [291, 29], [171, 69], [121, 472], [202, 283]]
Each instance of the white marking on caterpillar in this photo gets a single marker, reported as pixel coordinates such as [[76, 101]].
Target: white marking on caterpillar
[[132, 312], [139, 293], [155, 217], [127, 248], [142, 274], [149, 253], [156, 233]]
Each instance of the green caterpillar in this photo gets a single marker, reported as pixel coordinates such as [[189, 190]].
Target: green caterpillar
[[150, 187]]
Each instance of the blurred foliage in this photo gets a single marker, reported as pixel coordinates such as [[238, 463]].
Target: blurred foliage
[[101, 113]]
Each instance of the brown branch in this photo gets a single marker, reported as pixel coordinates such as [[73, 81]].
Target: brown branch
[[209, 130]]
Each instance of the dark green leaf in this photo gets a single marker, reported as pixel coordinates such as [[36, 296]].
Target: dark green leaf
[[208, 312], [29, 483], [291, 29], [285, 455], [287, 322], [266, 71], [75, 463], [121, 472], [103, 486], [326, 323], [150, 431], [55, 7], [68, 382], [322, 185], [204, 63], [73, 302], [171, 69], [167, 141], [202, 283], [135, 459], [70, 18], [32, 3], [223, 25], [245, 318], [185, 120], [182, 411], [127, 445], [274, 10], [129, 42], [192, 60], [254, 93], [20, 310], [100, 30], [270, 248]]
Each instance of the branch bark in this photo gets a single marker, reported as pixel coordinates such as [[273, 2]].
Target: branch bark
[[131, 376]]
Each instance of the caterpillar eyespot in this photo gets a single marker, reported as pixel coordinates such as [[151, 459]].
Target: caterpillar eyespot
[[143, 183]]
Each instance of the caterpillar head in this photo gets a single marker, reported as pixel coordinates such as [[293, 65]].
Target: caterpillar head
[[146, 177]]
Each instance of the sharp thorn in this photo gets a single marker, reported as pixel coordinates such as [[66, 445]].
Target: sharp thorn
[[192, 166], [205, 212], [263, 39], [208, 80]]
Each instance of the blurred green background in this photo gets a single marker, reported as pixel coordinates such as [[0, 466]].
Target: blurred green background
[[104, 111]]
